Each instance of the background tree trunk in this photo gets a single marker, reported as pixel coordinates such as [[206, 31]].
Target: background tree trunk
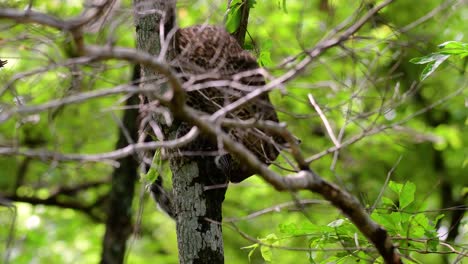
[[197, 205], [119, 215]]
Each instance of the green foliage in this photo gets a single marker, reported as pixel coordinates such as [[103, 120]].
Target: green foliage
[[405, 193], [234, 16], [264, 58], [265, 244], [404, 221], [154, 169], [434, 60]]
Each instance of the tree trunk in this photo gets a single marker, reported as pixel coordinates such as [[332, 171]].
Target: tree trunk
[[197, 198], [198, 211], [119, 216]]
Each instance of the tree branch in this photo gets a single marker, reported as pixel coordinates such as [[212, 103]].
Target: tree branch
[[57, 202], [31, 16], [108, 156]]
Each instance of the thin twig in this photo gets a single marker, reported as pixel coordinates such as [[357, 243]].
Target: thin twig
[[389, 174], [325, 122]]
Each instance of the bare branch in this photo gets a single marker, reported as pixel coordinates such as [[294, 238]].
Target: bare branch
[[54, 201], [308, 249], [378, 129], [31, 16], [431, 14], [108, 156], [275, 208], [329, 129]]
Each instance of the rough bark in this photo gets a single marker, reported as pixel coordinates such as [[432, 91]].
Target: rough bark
[[119, 216], [197, 209]]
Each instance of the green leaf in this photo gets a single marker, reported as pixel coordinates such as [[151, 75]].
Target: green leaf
[[391, 222], [433, 244], [421, 225], [454, 47], [431, 67], [396, 187], [234, 16], [387, 202], [264, 59], [253, 248], [266, 251], [434, 60], [458, 52], [407, 194], [427, 59], [153, 171], [267, 255], [422, 220], [270, 239]]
